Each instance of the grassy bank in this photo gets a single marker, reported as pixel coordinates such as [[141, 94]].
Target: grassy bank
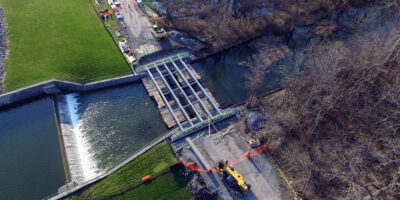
[[57, 39], [166, 184]]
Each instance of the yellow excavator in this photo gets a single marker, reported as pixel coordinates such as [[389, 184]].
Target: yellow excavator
[[232, 177], [157, 31]]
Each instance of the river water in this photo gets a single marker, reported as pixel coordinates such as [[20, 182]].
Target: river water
[[228, 81], [30, 157], [111, 125]]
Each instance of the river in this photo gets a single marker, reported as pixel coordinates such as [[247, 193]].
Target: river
[[30, 156], [111, 125], [228, 80]]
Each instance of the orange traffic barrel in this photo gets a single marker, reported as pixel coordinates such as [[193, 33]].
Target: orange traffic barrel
[[146, 178]]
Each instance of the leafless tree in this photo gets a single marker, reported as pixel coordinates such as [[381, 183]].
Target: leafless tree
[[335, 129]]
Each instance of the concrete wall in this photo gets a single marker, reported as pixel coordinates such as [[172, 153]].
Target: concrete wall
[[57, 86], [63, 192]]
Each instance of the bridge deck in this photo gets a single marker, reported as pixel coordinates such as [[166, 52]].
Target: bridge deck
[[181, 99]]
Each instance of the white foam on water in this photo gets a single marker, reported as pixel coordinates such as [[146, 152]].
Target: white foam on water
[[87, 163]]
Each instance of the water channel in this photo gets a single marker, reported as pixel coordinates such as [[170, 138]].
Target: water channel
[[228, 80], [30, 156]]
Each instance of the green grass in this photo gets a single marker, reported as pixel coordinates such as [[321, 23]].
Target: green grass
[[112, 22], [57, 39], [167, 185]]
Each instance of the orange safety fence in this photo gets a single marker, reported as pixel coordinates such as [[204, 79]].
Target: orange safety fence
[[193, 166], [109, 12], [249, 154]]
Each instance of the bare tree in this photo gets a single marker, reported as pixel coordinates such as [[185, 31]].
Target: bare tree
[[335, 129]]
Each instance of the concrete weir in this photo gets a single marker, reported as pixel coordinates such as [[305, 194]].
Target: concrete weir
[[77, 164]]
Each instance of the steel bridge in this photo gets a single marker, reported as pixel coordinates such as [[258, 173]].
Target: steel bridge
[[181, 92]]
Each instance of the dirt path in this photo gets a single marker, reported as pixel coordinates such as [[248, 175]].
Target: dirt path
[[139, 30]]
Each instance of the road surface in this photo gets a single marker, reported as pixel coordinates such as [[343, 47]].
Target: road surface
[[256, 171], [139, 30]]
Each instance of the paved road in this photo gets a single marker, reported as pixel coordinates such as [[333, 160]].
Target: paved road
[[256, 171], [139, 30]]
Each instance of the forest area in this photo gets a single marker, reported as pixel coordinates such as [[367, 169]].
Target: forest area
[[334, 129], [226, 23]]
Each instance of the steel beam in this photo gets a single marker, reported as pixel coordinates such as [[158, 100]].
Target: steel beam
[[174, 96], [184, 94], [201, 87], [191, 88], [165, 100]]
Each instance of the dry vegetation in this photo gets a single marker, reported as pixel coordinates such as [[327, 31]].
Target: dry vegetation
[[335, 131], [224, 23]]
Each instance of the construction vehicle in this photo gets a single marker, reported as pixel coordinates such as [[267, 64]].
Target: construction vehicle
[[232, 177], [157, 31]]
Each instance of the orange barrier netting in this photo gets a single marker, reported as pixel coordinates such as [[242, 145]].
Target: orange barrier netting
[[107, 13], [249, 154], [193, 166], [256, 151]]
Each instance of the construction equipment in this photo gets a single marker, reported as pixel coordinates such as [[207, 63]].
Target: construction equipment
[[157, 31], [232, 177]]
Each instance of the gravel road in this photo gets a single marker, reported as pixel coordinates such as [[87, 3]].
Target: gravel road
[[139, 30], [256, 171]]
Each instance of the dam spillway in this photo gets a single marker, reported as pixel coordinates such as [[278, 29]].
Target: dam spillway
[[79, 164], [102, 128]]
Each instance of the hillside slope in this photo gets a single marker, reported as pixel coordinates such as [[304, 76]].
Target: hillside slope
[[335, 131], [224, 23]]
